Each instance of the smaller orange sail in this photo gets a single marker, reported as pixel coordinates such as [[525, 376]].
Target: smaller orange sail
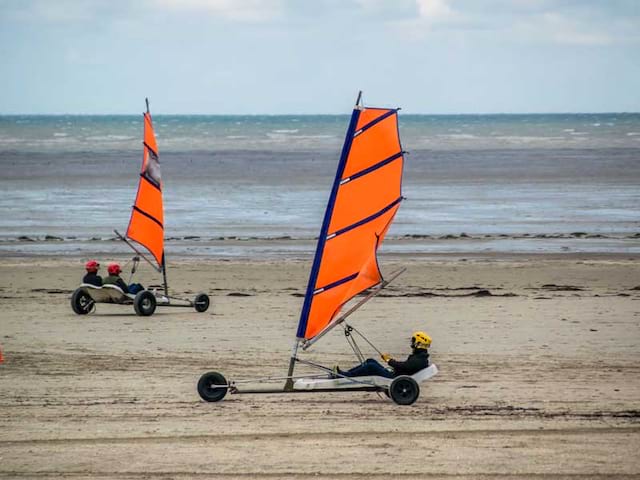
[[146, 225]]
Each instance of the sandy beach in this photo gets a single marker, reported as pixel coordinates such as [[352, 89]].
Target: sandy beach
[[538, 358]]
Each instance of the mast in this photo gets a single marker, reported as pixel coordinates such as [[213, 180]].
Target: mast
[[313, 276], [164, 275]]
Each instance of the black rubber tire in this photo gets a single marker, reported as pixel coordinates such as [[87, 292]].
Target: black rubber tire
[[209, 393], [201, 302], [144, 303], [81, 302], [404, 390]]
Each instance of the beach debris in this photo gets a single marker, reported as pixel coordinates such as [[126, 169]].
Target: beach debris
[[52, 291], [24, 238], [561, 288], [49, 238], [424, 293]]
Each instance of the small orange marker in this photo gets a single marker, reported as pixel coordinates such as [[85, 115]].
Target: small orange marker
[[1, 357]]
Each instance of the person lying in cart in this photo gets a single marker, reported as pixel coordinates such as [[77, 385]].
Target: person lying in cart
[[92, 277], [419, 359], [114, 278]]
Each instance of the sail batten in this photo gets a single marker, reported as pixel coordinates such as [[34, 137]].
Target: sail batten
[[366, 220], [146, 225], [363, 202], [374, 122], [372, 168]]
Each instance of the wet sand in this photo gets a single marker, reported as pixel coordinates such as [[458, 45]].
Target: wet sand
[[538, 356]]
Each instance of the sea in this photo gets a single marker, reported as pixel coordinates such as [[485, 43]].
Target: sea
[[254, 186]]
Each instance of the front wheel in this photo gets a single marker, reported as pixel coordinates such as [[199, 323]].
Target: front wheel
[[212, 386], [145, 303], [404, 390], [201, 303], [81, 302]]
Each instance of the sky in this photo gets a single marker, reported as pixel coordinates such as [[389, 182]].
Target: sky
[[312, 56]]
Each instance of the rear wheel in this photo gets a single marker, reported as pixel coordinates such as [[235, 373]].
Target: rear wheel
[[404, 390], [144, 303], [201, 303], [81, 302], [212, 386]]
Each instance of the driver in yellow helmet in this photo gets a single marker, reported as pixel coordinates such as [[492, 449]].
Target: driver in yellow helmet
[[419, 359]]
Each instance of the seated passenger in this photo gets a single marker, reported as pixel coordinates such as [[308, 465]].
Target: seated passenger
[[418, 360], [114, 279], [92, 277]]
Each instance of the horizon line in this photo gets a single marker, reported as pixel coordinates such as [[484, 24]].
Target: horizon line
[[611, 112]]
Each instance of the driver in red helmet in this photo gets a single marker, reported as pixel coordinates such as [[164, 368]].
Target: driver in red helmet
[[114, 277], [92, 277]]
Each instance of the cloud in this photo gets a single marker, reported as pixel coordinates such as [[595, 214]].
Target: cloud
[[248, 11], [60, 11], [562, 30], [533, 22], [434, 10]]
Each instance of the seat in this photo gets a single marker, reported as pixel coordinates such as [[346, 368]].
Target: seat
[[107, 293]]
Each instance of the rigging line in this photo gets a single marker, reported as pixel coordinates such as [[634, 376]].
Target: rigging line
[[364, 338], [352, 343]]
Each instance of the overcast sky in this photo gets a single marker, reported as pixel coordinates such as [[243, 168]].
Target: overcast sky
[[312, 56]]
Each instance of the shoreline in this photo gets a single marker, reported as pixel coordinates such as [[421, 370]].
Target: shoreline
[[281, 247]]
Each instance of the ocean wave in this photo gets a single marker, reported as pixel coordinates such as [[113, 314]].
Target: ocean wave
[[527, 139], [109, 137], [457, 136]]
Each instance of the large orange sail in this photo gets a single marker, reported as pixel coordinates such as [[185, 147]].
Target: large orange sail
[[365, 197], [146, 225]]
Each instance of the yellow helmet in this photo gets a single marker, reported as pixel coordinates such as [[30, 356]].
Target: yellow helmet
[[420, 340]]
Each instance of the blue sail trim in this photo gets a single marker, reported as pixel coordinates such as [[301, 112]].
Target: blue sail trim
[[313, 277], [366, 220], [376, 121], [337, 283], [372, 168]]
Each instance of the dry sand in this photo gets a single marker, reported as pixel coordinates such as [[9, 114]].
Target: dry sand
[[541, 379]]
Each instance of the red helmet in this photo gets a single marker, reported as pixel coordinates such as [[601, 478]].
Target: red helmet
[[114, 269], [92, 266]]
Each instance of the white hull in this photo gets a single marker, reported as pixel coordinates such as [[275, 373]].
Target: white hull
[[359, 382]]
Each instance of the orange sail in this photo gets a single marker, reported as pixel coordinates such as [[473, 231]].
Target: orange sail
[[146, 225], [365, 197]]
